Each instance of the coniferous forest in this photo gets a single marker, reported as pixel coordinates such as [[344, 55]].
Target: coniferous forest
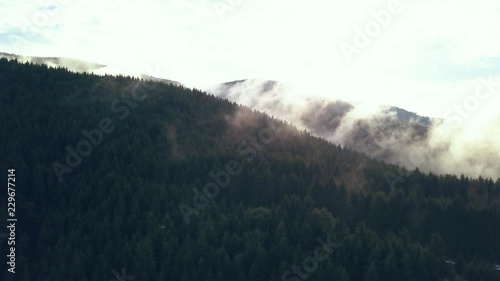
[[126, 179]]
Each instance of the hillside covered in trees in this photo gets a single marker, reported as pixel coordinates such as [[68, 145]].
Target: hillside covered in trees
[[162, 182]]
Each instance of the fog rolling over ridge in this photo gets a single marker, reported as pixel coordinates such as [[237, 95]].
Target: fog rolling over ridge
[[384, 132], [80, 66]]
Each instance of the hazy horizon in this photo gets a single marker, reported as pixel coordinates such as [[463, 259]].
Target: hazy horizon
[[250, 140], [422, 56]]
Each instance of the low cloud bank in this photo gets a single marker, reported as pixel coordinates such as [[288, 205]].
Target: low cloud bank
[[384, 132]]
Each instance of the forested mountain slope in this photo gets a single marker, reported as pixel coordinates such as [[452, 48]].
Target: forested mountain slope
[[384, 132], [80, 66], [170, 183]]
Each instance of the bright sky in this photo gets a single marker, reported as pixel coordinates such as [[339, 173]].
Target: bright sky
[[427, 57]]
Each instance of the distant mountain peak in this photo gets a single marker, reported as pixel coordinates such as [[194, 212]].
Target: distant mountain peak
[[80, 66]]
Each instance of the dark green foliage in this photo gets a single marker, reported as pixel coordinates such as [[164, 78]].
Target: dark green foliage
[[119, 208]]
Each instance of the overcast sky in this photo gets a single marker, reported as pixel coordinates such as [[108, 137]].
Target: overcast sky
[[427, 57]]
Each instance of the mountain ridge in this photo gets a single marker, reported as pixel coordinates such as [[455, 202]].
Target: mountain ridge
[[81, 66], [139, 152]]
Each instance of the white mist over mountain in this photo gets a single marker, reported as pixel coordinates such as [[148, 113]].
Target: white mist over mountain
[[464, 142], [80, 66], [420, 55]]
